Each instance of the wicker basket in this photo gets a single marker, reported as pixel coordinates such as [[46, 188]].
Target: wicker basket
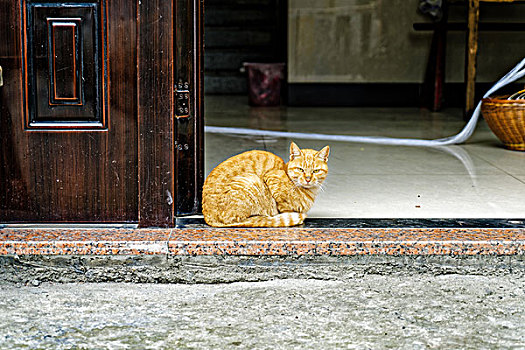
[[506, 118]]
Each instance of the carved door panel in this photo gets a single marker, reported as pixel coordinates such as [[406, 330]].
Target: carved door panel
[[68, 118], [100, 110]]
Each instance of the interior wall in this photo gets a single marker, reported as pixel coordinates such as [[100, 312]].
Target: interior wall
[[372, 41]]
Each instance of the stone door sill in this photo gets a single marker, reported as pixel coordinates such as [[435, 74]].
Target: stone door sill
[[317, 237]]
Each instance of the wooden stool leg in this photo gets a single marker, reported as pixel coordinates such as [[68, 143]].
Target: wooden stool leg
[[441, 56], [433, 86], [471, 55]]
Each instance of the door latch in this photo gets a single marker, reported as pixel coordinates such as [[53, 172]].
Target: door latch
[[182, 100], [1, 77]]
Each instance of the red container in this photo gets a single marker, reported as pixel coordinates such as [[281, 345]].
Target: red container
[[264, 83]]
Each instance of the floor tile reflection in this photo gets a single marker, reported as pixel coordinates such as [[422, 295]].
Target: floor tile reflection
[[478, 180]]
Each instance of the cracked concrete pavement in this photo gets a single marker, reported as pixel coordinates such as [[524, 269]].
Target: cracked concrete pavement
[[364, 312]]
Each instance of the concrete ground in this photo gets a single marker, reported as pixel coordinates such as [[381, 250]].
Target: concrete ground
[[366, 312]]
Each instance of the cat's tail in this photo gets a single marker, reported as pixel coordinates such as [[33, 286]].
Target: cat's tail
[[279, 220]]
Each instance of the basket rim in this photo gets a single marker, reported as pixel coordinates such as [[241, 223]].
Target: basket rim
[[502, 99]]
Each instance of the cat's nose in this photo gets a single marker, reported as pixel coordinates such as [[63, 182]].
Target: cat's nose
[[308, 178]]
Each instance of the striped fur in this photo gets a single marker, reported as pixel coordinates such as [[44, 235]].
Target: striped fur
[[279, 220], [258, 189]]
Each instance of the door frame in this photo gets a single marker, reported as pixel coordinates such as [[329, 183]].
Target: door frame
[[171, 145]]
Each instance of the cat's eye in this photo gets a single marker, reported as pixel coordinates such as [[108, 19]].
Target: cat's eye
[[317, 171]]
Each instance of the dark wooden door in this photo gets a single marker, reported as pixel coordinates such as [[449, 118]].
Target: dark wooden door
[[89, 128]]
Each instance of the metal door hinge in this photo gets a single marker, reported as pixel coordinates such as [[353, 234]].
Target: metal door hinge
[[182, 100], [1, 77]]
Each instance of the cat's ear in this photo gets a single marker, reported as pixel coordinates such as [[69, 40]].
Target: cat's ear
[[324, 153], [295, 151]]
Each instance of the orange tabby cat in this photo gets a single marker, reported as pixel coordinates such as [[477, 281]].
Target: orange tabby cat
[[257, 189]]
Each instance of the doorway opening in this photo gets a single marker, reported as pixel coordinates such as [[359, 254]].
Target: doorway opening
[[478, 179]]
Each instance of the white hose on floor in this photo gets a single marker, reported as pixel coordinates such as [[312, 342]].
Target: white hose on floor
[[515, 74]]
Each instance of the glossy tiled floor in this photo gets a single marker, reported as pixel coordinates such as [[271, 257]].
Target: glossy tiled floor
[[480, 179]]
